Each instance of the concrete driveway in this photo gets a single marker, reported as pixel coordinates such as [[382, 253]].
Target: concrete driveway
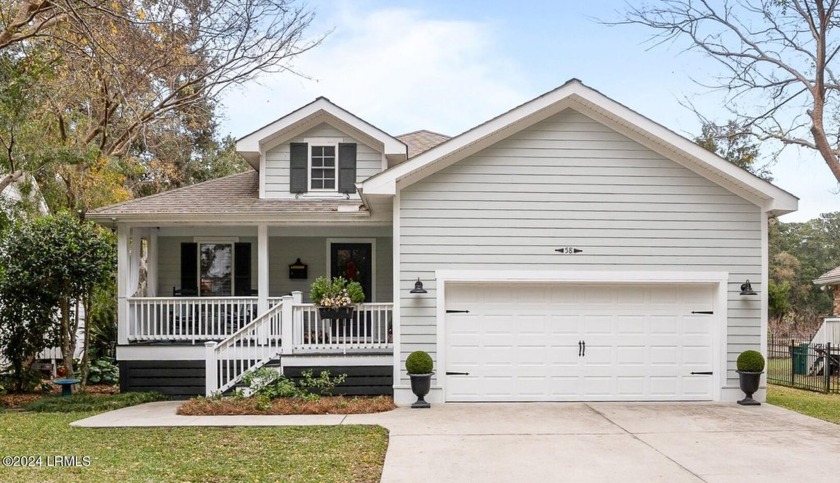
[[598, 442]]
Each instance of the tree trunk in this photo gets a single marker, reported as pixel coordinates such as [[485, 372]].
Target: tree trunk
[[85, 364], [10, 178], [66, 350]]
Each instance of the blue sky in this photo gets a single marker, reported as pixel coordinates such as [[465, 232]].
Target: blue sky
[[449, 65]]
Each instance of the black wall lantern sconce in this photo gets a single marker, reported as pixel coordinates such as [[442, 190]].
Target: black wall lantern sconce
[[418, 287], [746, 288]]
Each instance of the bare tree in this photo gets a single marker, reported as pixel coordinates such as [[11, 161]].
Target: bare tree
[[21, 20], [778, 59]]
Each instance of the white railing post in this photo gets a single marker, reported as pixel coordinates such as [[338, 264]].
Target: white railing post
[[287, 324], [211, 369]]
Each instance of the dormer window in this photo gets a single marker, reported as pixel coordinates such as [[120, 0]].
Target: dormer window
[[323, 168], [322, 165]]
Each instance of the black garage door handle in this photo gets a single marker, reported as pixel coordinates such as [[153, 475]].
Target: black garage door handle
[[457, 373]]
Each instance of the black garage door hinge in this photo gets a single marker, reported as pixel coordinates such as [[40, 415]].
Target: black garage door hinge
[[457, 311]]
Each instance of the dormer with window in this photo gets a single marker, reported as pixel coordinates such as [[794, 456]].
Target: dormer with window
[[319, 151]]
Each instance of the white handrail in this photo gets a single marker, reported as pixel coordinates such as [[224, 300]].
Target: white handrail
[[249, 348]]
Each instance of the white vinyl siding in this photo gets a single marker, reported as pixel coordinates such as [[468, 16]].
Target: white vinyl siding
[[368, 161], [570, 181], [282, 252]]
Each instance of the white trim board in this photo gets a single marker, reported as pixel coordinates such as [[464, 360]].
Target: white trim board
[[321, 110], [719, 324], [574, 94]]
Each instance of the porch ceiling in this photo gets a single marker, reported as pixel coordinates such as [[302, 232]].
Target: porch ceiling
[[231, 196]]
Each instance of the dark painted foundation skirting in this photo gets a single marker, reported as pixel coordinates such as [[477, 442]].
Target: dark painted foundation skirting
[[361, 380], [185, 379], [176, 379]]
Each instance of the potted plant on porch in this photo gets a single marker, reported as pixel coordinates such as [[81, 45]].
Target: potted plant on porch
[[750, 367], [336, 298], [419, 367]]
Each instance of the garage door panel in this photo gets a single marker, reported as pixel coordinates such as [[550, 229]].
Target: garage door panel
[[641, 343], [631, 355], [631, 386]]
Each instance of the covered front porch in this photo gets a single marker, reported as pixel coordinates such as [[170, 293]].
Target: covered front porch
[[206, 284]]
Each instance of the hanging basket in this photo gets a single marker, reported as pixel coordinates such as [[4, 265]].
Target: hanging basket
[[339, 313]]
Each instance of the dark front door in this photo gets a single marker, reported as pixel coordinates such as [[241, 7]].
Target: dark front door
[[353, 261]]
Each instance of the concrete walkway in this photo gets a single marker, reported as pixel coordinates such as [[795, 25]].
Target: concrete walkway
[[577, 442]]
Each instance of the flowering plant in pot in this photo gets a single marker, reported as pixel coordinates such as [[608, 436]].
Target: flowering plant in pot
[[335, 298], [419, 367], [750, 367]]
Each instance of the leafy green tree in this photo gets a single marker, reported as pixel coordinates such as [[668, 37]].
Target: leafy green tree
[[52, 265], [800, 253], [735, 144]]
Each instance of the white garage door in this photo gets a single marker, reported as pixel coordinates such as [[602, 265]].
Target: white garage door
[[561, 342]]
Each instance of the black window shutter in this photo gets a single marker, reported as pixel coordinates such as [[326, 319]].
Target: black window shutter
[[298, 161], [242, 269], [347, 168], [189, 269]]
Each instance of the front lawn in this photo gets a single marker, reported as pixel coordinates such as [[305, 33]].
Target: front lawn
[[316, 453], [818, 405]]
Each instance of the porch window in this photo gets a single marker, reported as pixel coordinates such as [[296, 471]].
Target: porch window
[[323, 168], [215, 270]]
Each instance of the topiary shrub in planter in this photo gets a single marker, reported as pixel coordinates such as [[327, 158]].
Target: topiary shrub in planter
[[750, 366], [419, 366]]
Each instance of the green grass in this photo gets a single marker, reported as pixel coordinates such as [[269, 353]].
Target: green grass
[[290, 454], [818, 405], [81, 402]]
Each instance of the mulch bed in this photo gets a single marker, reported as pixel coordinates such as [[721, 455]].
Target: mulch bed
[[286, 406], [12, 401]]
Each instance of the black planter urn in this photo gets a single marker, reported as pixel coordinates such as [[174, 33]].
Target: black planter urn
[[337, 313], [749, 384], [421, 384]]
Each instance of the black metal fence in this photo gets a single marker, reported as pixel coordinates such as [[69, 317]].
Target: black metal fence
[[797, 363]]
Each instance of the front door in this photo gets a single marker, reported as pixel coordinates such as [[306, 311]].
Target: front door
[[354, 262]]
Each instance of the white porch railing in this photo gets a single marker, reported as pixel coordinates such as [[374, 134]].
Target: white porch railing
[[251, 347], [189, 318], [369, 328]]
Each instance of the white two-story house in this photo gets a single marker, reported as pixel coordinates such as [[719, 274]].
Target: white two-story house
[[568, 249]]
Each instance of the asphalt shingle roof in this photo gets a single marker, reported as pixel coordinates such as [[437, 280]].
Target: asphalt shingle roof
[[832, 275], [421, 141], [235, 194]]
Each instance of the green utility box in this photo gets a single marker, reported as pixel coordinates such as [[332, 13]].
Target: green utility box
[[800, 359]]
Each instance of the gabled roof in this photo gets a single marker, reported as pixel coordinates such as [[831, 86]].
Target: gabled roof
[[575, 95], [232, 197], [831, 277], [321, 110], [419, 142]]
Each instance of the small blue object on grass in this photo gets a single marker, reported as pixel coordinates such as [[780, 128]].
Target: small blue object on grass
[[66, 385]]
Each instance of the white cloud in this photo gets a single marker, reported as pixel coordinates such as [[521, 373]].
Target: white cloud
[[398, 69]]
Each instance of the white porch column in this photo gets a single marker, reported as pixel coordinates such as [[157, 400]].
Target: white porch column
[[262, 268], [211, 368], [152, 264], [287, 323], [122, 284], [133, 262]]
